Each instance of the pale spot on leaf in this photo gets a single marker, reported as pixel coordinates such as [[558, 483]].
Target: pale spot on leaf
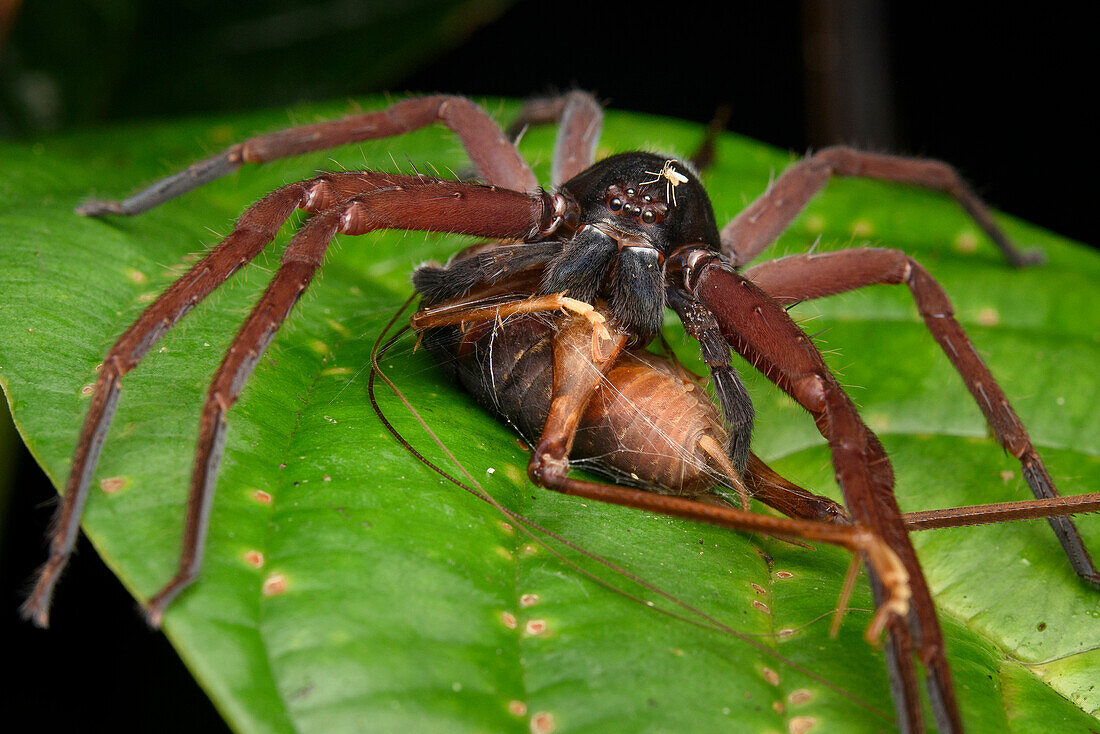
[[543, 723], [114, 484], [862, 228], [801, 724], [989, 316], [965, 242], [274, 584]]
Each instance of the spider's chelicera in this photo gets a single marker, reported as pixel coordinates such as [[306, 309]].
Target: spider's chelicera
[[614, 242]]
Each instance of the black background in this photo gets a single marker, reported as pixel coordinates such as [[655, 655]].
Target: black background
[[1003, 96]]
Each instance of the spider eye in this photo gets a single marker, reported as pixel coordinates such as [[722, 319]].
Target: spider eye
[[615, 204], [630, 192], [648, 216]]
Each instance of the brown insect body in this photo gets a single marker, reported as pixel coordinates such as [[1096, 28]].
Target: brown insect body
[[649, 424], [643, 426]]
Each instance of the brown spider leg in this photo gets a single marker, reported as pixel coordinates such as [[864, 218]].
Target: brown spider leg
[[580, 117], [398, 201], [780, 493], [254, 230], [802, 277], [703, 157], [732, 397], [301, 260], [491, 152], [761, 223], [958, 517], [764, 334], [576, 380], [765, 484], [433, 206]]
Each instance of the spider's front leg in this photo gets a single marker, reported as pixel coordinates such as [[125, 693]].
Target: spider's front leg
[[345, 203], [491, 152], [802, 277], [764, 334]]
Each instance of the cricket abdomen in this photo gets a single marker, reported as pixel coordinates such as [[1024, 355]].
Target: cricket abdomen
[[646, 425]]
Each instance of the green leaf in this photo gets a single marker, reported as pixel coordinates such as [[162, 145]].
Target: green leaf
[[401, 590]]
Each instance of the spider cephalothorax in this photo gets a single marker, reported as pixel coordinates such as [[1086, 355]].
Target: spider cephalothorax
[[629, 223], [623, 216]]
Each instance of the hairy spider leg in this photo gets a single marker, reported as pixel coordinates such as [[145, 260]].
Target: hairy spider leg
[[254, 230], [804, 277], [732, 396], [958, 517], [580, 117], [760, 224], [431, 206], [360, 202], [762, 332], [490, 150], [769, 487]]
